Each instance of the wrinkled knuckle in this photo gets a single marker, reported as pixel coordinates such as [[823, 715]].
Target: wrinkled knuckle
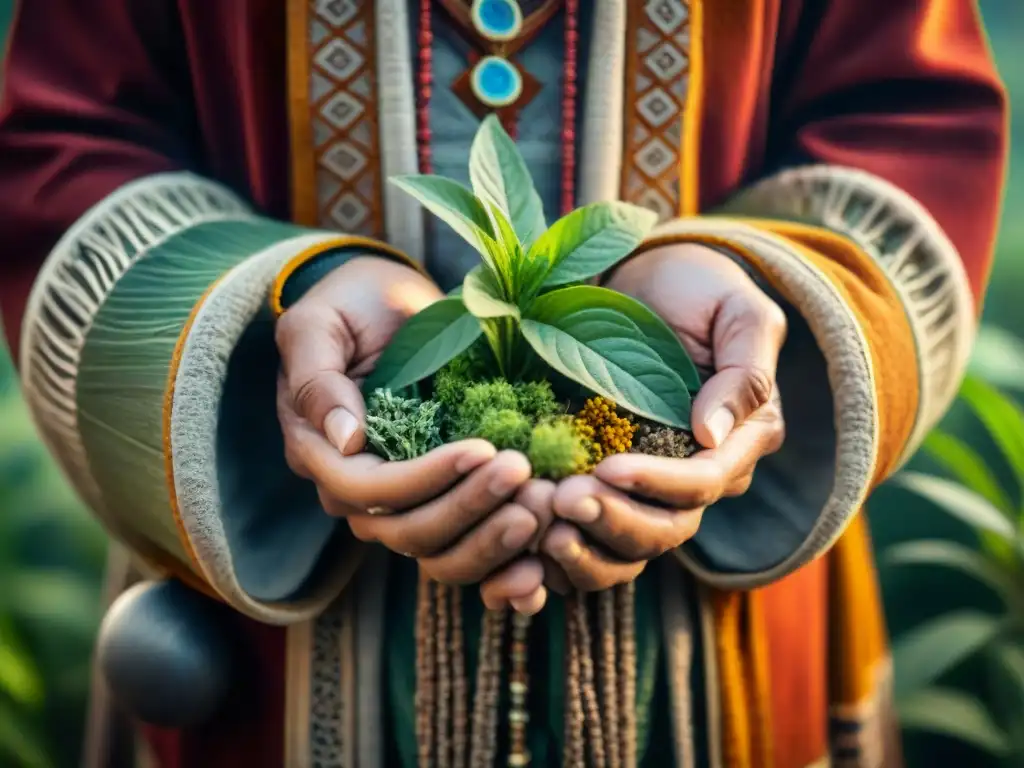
[[284, 328], [740, 486], [776, 437], [293, 461], [306, 394], [652, 550], [709, 494], [684, 527], [455, 575], [587, 581], [361, 530], [406, 541], [760, 385], [773, 318]]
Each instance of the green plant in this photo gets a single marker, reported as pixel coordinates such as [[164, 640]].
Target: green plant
[[400, 428], [536, 400], [475, 401], [974, 495], [506, 430], [556, 449], [527, 299]]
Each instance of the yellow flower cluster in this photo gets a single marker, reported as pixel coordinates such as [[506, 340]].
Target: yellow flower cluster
[[603, 430]]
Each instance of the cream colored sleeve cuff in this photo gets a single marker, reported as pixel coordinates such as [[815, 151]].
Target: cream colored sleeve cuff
[[803, 497], [149, 361]]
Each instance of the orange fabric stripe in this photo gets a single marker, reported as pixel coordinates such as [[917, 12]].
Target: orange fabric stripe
[[883, 318], [303, 175], [747, 652], [341, 241], [759, 684], [793, 620], [689, 156], [727, 608], [859, 628], [743, 660]]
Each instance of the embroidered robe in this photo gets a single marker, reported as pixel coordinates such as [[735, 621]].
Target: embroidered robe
[[199, 158]]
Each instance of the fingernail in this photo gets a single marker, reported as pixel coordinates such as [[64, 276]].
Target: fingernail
[[584, 511], [566, 551], [502, 486], [532, 604], [340, 426], [720, 424], [470, 460], [519, 533]]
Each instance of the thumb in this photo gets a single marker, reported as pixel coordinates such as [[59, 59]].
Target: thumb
[[747, 336], [316, 346]]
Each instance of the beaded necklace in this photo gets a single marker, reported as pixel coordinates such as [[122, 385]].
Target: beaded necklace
[[494, 82], [600, 727]]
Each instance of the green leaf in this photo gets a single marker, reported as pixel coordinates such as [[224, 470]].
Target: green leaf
[[614, 346], [956, 715], [998, 358], [499, 175], [959, 502], [20, 743], [965, 465], [928, 651], [1011, 657], [591, 239], [482, 295], [506, 252], [19, 677], [453, 204], [427, 341], [948, 554], [56, 601], [1003, 420]]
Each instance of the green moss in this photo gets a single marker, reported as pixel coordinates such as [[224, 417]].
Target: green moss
[[399, 428], [536, 401], [452, 380], [476, 400], [506, 430], [556, 450]]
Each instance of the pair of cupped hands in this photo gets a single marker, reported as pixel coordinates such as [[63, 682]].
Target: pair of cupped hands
[[472, 515]]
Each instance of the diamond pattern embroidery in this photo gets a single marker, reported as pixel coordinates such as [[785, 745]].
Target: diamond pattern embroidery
[[339, 59], [338, 13], [656, 102], [341, 109], [343, 100]]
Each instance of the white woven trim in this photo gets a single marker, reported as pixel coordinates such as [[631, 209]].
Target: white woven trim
[[75, 280], [403, 216], [601, 154], [917, 256], [850, 375], [198, 386]]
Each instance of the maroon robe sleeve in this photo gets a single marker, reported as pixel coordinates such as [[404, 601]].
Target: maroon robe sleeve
[[95, 95]]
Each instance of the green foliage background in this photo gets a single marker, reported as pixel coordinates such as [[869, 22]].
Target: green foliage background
[[51, 554]]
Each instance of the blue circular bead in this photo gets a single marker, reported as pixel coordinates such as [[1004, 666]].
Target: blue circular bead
[[497, 19], [496, 83]]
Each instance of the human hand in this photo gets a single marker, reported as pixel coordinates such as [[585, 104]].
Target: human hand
[[634, 507], [454, 508]]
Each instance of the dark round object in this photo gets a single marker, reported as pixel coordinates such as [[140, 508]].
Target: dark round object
[[166, 655]]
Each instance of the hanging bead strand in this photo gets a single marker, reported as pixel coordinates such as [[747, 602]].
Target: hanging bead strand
[[569, 106], [425, 78], [518, 684]]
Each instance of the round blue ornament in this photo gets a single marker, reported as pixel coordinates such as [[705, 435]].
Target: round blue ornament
[[497, 20], [496, 83]]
